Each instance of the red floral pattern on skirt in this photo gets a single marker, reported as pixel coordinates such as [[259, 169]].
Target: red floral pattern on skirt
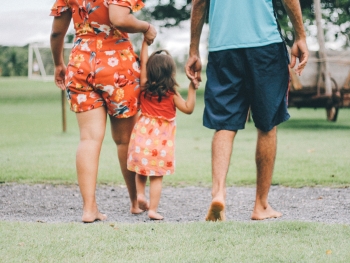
[[152, 147]]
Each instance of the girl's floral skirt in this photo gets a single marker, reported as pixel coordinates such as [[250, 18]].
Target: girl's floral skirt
[[152, 146]]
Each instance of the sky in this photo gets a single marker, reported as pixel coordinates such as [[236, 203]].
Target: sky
[[27, 21]]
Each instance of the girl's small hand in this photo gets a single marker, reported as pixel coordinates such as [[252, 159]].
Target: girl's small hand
[[194, 84], [150, 34]]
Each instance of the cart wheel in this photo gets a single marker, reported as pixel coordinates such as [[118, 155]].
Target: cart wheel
[[332, 114]]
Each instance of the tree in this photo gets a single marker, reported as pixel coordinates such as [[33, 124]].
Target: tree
[[336, 16], [170, 14], [13, 61]]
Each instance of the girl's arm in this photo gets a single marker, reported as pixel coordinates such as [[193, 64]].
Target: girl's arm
[[186, 106], [59, 29], [122, 18], [144, 59]]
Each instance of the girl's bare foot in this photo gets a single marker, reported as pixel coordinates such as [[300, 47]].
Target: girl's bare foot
[[136, 210], [216, 212], [261, 213], [153, 215], [142, 202], [89, 217]]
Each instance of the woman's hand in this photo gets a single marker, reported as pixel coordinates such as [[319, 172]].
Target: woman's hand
[[60, 72], [150, 34]]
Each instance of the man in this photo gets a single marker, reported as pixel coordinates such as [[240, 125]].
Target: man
[[247, 68]]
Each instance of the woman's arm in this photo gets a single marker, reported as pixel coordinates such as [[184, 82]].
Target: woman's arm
[[59, 29], [144, 59], [186, 106], [122, 18]]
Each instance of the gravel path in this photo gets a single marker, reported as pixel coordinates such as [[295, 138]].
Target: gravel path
[[58, 203]]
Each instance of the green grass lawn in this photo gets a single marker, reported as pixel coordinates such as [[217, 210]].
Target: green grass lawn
[[311, 150], [33, 149], [190, 242]]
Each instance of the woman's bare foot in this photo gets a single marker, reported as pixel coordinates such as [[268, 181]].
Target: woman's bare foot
[[261, 213], [153, 215], [142, 202], [216, 211], [89, 217]]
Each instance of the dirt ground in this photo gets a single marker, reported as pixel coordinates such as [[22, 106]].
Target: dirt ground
[[62, 203]]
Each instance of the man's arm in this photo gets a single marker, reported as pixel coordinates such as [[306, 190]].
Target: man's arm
[[299, 49], [194, 65]]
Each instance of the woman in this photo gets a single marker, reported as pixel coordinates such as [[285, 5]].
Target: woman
[[102, 77]]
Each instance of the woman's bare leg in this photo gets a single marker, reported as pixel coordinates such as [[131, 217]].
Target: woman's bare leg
[[121, 131], [141, 181], [92, 126], [155, 192]]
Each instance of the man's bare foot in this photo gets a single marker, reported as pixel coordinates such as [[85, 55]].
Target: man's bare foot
[[89, 217], [216, 212], [153, 215], [142, 201], [261, 213]]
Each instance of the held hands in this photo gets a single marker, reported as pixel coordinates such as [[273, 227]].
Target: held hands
[[60, 72], [193, 70], [299, 50], [150, 34]]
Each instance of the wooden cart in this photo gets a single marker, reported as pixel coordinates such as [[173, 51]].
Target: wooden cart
[[307, 90]]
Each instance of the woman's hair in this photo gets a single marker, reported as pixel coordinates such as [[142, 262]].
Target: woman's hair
[[161, 70]]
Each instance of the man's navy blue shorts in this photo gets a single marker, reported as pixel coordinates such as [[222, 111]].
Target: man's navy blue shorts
[[247, 77]]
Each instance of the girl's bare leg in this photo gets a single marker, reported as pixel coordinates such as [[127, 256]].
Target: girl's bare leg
[[92, 126], [155, 193], [141, 181], [121, 131]]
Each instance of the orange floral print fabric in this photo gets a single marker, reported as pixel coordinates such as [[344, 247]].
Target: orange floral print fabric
[[152, 146], [103, 70]]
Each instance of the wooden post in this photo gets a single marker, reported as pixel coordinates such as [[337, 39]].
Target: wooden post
[[64, 119], [322, 51]]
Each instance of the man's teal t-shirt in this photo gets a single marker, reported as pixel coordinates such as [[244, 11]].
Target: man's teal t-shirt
[[242, 24]]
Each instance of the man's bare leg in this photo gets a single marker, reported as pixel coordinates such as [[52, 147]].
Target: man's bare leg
[[221, 154], [265, 160], [92, 129], [141, 181], [121, 132]]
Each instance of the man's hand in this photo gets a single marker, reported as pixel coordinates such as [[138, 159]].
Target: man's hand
[[299, 50], [60, 72], [193, 70]]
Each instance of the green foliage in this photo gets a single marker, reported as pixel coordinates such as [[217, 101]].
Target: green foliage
[[13, 61], [335, 13], [171, 13], [165, 242]]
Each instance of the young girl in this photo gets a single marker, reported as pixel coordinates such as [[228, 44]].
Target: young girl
[[152, 149]]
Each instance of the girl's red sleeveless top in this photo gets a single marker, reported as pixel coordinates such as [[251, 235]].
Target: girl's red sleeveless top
[[164, 109]]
